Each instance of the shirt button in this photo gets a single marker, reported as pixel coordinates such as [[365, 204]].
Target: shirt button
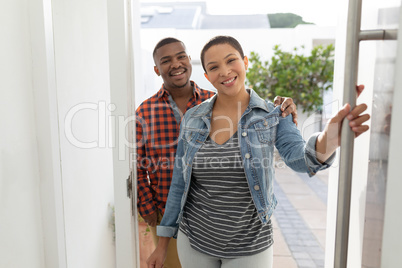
[[244, 134], [266, 217], [256, 187], [247, 155]]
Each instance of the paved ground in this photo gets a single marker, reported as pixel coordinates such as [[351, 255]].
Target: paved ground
[[300, 219]]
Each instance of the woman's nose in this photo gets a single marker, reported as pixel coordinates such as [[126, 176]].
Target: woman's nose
[[225, 71]]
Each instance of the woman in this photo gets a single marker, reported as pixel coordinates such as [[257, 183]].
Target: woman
[[221, 197]]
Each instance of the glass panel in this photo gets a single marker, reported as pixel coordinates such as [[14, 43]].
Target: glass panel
[[379, 141]]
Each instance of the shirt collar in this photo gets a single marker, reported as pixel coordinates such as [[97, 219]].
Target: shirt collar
[[196, 91]]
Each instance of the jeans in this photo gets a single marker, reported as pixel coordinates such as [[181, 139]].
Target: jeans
[[191, 258]]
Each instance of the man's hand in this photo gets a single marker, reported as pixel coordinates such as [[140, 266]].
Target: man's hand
[[288, 107], [151, 219]]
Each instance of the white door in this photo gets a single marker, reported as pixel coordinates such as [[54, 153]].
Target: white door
[[373, 238], [123, 24]]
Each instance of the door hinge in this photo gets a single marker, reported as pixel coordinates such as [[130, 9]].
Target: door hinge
[[129, 184]]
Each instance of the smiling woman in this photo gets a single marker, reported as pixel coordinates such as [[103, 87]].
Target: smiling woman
[[221, 215], [226, 70]]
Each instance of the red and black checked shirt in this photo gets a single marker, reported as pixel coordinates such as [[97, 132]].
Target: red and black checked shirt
[[157, 134]]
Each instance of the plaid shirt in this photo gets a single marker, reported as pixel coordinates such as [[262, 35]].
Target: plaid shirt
[[157, 136]]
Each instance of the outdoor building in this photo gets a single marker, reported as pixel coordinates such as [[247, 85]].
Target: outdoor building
[[193, 15]]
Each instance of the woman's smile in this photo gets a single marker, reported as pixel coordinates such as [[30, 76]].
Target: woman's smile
[[226, 70], [229, 82]]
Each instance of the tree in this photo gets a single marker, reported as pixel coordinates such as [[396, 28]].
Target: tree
[[285, 20], [304, 78]]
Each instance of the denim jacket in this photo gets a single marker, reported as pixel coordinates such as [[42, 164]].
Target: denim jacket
[[261, 127]]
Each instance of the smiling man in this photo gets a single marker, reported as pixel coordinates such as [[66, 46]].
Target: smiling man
[[157, 131]]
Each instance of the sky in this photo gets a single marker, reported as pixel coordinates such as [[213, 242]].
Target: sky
[[315, 11], [319, 12]]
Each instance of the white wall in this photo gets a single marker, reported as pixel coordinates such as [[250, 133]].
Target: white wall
[[82, 77], [21, 236], [54, 195]]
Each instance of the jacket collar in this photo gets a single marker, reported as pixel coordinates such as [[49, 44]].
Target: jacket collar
[[205, 108]]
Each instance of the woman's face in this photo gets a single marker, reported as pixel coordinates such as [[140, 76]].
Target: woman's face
[[225, 69]]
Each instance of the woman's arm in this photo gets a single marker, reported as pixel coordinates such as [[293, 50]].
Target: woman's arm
[[297, 154], [330, 138], [318, 152], [158, 257], [168, 227]]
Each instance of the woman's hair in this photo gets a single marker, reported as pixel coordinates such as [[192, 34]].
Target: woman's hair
[[219, 40]]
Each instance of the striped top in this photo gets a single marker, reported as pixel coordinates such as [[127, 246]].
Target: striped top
[[220, 218]]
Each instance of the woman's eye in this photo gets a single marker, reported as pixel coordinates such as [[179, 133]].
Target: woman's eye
[[231, 60], [213, 68]]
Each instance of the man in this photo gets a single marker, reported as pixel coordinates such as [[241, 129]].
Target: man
[[157, 130]]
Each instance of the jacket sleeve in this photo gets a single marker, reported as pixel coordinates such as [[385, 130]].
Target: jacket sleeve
[[298, 154], [145, 202], [169, 225]]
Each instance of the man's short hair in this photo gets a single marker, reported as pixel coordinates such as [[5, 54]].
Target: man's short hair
[[166, 41]]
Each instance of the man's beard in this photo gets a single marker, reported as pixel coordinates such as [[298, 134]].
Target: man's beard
[[185, 84]]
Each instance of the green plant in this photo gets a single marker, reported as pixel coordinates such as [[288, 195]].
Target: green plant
[[285, 20], [303, 78]]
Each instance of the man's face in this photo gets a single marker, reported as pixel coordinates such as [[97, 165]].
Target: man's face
[[173, 64]]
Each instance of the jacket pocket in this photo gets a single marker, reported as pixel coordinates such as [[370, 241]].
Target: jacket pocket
[[266, 129]]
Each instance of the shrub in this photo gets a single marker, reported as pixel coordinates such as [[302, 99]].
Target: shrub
[[303, 78]]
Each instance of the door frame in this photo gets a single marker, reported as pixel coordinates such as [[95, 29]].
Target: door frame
[[123, 57]]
